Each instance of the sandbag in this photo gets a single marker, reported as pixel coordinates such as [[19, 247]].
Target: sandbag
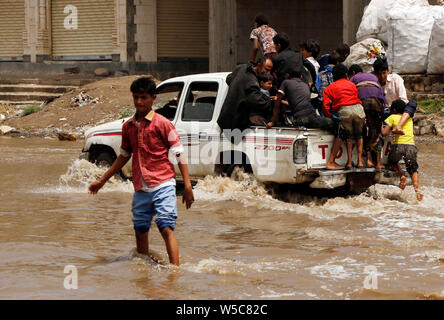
[[364, 54], [436, 49], [409, 36], [374, 21]]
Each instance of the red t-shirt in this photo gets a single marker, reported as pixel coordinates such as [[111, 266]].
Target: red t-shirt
[[150, 143], [339, 94]]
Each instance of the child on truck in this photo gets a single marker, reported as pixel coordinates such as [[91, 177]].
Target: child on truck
[[155, 146], [403, 147], [259, 117]]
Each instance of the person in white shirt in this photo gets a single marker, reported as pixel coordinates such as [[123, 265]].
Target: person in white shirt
[[394, 89], [310, 49]]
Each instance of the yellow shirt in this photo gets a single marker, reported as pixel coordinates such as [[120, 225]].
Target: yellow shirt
[[408, 137]]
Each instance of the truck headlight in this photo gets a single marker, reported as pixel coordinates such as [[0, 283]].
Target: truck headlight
[[300, 151]]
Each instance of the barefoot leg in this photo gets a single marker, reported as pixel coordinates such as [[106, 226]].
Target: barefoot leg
[[415, 179], [379, 165], [370, 163], [331, 163]]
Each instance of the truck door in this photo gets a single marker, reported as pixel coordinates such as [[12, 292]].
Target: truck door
[[197, 126]]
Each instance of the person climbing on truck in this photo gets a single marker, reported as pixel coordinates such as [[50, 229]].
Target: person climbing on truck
[[341, 101], [403, 147]]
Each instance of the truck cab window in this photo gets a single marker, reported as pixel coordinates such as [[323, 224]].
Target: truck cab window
[[200, 101], [168, 97]]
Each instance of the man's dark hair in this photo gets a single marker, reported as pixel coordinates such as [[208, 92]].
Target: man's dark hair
[[261, 60], [343, 50], [398, 106], [333, 58], [380, 64], [294, 71], [264, 77], [144, 85], [354, 69], [282, 39], [311, 46], [339, 72], [261, 19]]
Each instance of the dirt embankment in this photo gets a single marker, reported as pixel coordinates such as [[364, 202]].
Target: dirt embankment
[[78, 110]]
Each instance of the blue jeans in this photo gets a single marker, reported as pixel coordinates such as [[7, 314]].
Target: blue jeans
[[162, 203]]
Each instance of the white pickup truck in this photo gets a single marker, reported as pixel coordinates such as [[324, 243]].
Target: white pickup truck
[[282, 155]]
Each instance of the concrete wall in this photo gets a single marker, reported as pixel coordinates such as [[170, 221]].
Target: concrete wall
[[300, 19], [222, 34], [352, 16], [146, 30]]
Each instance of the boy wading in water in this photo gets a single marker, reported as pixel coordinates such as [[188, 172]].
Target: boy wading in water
[[155, 145], [403, 147]]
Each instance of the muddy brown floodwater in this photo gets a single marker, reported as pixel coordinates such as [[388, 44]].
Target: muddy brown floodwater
[[237, 242]]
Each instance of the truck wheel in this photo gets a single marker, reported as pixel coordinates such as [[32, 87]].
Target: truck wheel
[[104, 159], [245, 167]]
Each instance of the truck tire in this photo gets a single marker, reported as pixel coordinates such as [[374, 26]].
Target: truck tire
[[104, 159], [245, 167]]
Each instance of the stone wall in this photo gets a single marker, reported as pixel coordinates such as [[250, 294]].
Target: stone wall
[[424, 86]]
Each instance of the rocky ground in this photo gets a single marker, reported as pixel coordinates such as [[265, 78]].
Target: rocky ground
[[74, 112], [69, 116]]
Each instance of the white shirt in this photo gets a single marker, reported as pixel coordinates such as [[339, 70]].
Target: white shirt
[[394, 89], [315, 64]]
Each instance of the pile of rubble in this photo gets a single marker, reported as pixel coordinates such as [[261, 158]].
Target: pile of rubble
[[82, 99]]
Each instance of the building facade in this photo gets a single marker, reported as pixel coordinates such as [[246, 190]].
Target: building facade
[[194, 35]]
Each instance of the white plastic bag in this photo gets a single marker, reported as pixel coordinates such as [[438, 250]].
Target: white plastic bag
[[374, 23], [364, 54], [409, 36], [436, 49]]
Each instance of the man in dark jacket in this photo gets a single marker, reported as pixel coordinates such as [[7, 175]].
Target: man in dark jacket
[[263, 65], [285, 58], [243, 97]]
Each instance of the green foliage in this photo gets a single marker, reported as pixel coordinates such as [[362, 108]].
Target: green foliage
[[32, 108], [432, 106], [126, 113]]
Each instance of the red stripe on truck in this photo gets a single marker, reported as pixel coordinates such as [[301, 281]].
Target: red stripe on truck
[[108, 134]]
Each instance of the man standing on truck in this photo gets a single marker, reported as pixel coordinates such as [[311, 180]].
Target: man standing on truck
[[154, 144], [341, 101], [262, 36], [372, 97]]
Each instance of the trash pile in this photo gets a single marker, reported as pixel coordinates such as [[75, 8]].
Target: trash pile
[[365, 53], [82, 99], [413, 31]]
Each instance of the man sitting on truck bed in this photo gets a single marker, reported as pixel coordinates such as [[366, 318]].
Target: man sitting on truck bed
[[301, 112], [244, 97]]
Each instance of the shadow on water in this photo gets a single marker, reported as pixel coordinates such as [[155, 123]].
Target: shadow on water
[[303, 194]]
